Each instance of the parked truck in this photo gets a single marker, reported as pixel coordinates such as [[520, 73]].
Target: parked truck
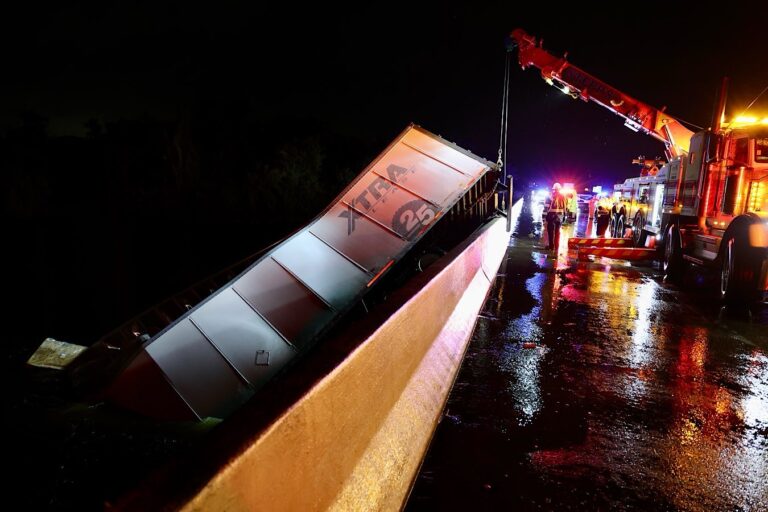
[[636, 203], [706, 204]]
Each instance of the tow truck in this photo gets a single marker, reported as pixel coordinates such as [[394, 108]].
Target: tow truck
[[706, 204]]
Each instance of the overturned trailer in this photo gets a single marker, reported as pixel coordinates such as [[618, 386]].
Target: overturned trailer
[[380, 289], [226, 344]]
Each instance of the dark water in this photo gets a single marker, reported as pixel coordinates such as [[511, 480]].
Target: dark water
[[596, 386]]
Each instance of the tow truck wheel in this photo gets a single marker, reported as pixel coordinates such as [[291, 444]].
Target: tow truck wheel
[[619, 233], [673, 257], [638, 236], [613, 227], [638, 233], [738, 275], [727, 285]]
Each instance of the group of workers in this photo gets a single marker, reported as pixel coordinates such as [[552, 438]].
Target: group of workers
[[559, 207]]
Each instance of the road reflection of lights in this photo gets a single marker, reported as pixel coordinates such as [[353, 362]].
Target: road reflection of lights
[[724, 403], [746, 464], [699, 354], [692, 395], [754, 461], [644, 337], [688, 432], [516, 211], [566, 232], [755, 402], [524, 364], [643, 307], [526, 327], [708, 445], [742, 468], [525, 385], [693, 351], [599, 282], [614, 295]]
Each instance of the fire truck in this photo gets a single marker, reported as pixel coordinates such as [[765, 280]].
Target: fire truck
[[706, 204], [636, 203]]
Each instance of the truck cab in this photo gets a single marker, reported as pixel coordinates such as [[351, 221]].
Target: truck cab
[[715, 209]]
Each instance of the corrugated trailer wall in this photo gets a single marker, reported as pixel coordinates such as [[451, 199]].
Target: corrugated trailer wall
[[213, 358]]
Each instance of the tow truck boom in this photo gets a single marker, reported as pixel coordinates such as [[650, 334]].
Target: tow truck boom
[[571, 80]]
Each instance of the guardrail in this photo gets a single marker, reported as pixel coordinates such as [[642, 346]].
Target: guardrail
[[356, 437]]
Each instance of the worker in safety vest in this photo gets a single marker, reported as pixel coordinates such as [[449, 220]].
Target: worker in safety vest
[[555, 212], [592, 209], [572, 207], [603, 216]]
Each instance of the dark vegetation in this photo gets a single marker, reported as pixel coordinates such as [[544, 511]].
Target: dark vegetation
[[104, 226], [107, 225]]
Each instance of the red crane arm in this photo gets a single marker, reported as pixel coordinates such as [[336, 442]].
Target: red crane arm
[[570, 79]]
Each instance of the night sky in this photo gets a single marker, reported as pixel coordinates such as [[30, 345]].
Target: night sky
[[361, 74], [373, 69]]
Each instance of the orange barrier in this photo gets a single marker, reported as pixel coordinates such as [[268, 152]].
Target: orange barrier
[[355, 439], [599, 242], [619, 253]]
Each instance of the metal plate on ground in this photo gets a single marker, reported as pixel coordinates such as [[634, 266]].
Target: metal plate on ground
[[55, 354]]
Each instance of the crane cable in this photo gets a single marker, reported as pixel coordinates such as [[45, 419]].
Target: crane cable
[[502, 160], [754, 100]]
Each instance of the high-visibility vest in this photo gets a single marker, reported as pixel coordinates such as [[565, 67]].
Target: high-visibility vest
[[557, 204], [592, 206], [572, 204]]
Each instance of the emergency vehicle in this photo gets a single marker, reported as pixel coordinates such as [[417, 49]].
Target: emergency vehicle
[[707, 205]]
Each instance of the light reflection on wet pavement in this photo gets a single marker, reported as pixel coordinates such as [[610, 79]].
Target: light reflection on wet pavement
[[596, 386]]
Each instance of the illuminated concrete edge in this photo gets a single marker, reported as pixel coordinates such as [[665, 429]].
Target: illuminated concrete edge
[[356, 439]]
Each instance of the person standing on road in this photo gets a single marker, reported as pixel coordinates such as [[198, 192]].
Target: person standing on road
[[603, 220], [571, 207], [555, 213], [592, 209]]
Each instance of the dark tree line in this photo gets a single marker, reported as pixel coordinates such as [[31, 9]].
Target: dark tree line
[[105, 225]]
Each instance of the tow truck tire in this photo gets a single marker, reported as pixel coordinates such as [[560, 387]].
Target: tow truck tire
[[673, 256], [638, 233], [612, 223], [738, 275], [619, 233], [727, 283]]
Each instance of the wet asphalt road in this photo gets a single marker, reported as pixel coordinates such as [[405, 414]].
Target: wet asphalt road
[[597, 386]]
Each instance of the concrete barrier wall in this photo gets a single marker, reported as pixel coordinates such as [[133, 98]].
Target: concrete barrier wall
[[356, 439]]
